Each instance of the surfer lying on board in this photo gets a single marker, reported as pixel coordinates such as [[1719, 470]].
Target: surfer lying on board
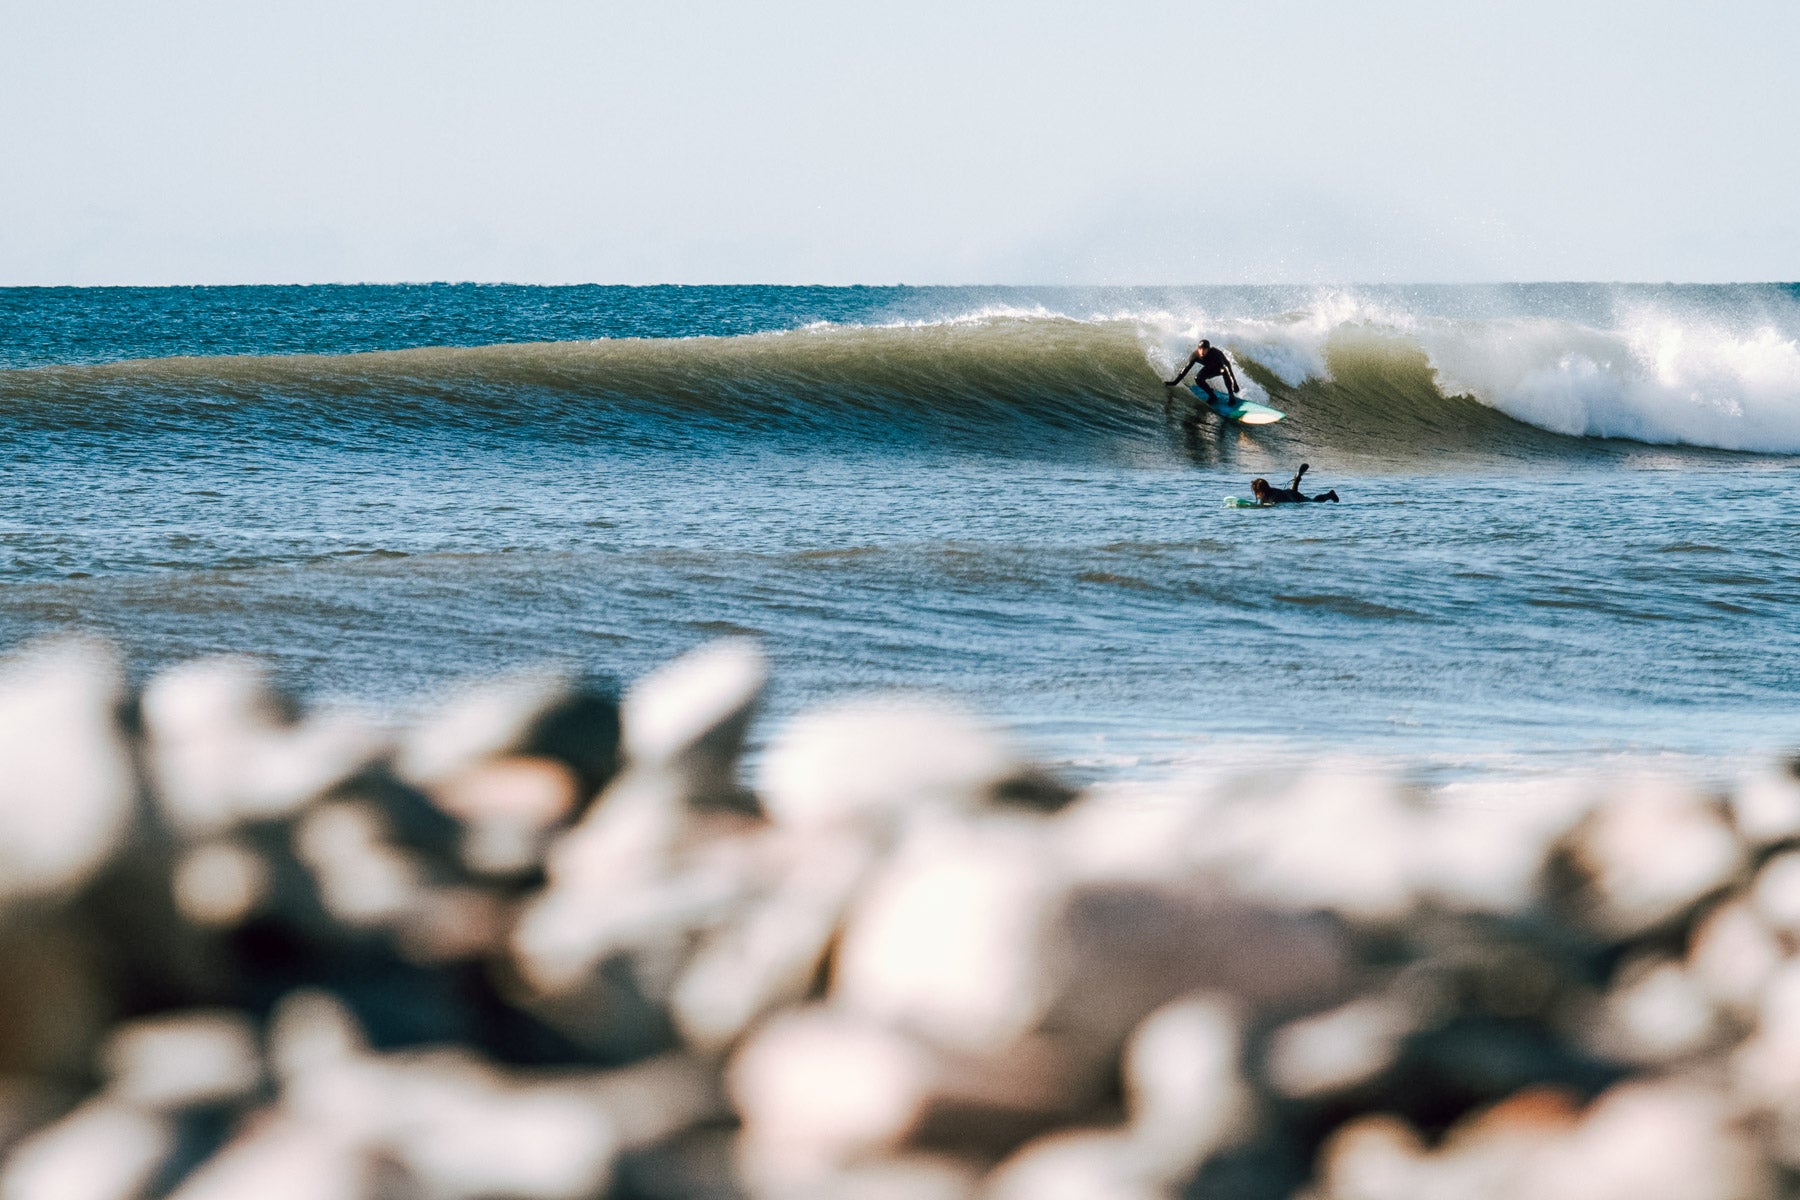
[[1213, 364], [1291, 494]]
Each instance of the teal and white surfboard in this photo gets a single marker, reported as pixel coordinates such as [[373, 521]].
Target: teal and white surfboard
[[1244, 412]]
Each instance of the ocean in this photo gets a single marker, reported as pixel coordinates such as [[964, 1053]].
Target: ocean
[[1567, 535]]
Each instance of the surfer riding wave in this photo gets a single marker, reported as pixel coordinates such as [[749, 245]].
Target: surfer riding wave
[[1213, 365]]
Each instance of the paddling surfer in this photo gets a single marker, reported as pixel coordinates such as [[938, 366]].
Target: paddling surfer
[[1213, 365], [1291, 494]]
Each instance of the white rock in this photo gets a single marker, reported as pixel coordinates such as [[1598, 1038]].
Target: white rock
[[66, 782], [1379, 1158], [1652, 1141], [281, 1158], [1766, 805], [506, 806], [1650, 851], [1084, 1164], [220, 750], [461, 1128], [769, 956], [672, 713], [819, 1089], [484, 721], [364, 880], [950, 938], [1115, 833], [1776, 892], [187, 1058], [816, 1090], [311, 1031], [466, 1133], [879, 760], [1485, 852], [1655, 1013], [304, 760], [1184, 1086], [629, 835], [1293, 851], [203, 721], [1779, 1013], [1339, 1049], [1766, 1066], [103, 1150], [1733, 956], [570, 931], [1485, 1156], [903, 1177], [221, 882], [632, 871], [652, 1100]]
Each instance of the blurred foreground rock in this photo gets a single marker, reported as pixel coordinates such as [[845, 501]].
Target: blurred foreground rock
[[549, 945]]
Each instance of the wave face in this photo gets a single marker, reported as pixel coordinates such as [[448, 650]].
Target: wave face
[[1395, 374]]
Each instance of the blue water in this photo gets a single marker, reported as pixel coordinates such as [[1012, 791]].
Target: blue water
[[978, 492]]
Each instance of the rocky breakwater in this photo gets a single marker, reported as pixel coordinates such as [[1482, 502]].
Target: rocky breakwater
[[544, 945]]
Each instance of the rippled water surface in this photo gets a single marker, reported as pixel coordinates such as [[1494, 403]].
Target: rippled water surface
[[882, 503]]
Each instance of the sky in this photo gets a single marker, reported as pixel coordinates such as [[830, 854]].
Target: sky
[[918, 141]]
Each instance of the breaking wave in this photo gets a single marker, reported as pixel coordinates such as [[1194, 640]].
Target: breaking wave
[[1355, 376]]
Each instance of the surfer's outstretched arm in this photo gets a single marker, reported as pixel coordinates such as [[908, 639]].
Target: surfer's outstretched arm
[[1186, 367]]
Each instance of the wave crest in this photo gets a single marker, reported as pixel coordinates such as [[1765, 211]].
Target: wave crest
[[1355, 376]]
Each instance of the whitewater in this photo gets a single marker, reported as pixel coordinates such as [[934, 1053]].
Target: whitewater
[[1567, 534]]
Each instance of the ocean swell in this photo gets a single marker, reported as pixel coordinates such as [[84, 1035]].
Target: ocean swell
[[1356, 377]]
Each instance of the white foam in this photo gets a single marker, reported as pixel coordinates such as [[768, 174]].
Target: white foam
[[1291, 346], [1656, 378], [1676, 374]]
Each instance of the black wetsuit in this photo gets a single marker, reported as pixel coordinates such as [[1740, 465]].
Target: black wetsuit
[[1291, 494], [1212, 363], [1294, 496]]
